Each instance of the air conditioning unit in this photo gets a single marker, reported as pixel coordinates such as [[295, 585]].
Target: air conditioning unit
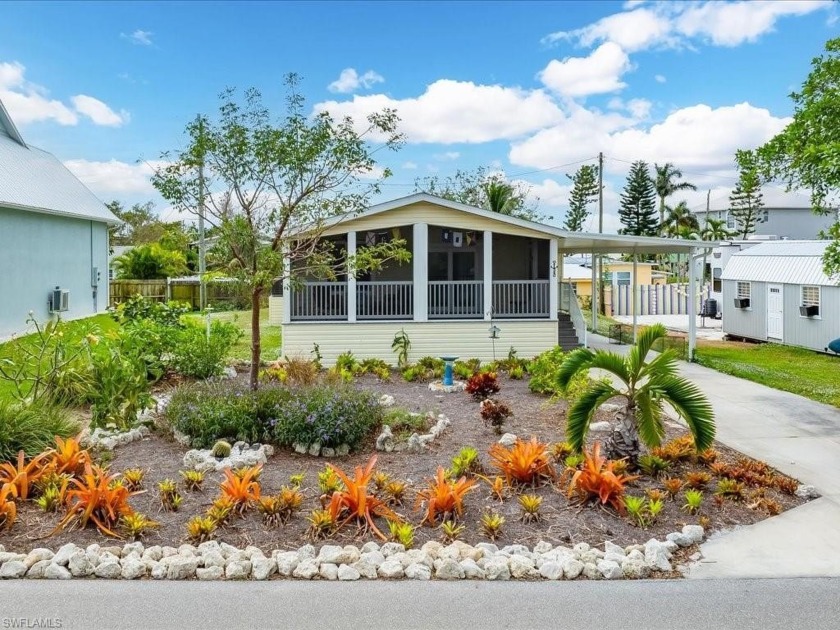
[[811, 310], [59, 300], [742, 302]]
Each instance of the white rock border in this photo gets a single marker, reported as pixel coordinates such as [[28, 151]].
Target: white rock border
[[110, 439], [416, 443], [213, 560], [241, 454]]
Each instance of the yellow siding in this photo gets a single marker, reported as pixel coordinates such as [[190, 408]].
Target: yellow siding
[[373, 339], [275, 310], [433, 215]]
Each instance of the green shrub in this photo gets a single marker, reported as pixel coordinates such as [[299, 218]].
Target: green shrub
[[120, 387], [149, 262], [544, 370], [346, 362], [195, 355], [31, 428], [329, 415], [139, 308], [403, 423]]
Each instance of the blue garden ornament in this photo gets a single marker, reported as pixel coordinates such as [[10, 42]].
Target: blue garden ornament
[[834, 346], [448, 362]]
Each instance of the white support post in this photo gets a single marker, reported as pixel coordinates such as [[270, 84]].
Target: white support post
[[560, 281], [692, 306], [487, 244], [593, 300], [351, 277], [553, 285], [287, 289], [635, 296], [420, 264]]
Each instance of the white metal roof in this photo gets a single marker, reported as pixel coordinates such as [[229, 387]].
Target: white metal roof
[[32, 179], [785, 262], [570, 242]]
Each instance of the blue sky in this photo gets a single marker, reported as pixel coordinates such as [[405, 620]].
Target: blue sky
[[524, 87]]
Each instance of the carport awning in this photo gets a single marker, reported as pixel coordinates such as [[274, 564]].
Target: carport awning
[[585, 243]]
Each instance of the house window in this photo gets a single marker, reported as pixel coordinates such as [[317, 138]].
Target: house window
[[622, 278], [810, 301], [716, 284], [730, 220], [744, 290]]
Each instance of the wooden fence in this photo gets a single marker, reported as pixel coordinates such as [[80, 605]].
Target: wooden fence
[[223, 293]]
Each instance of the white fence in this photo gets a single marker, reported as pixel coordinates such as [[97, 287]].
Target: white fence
[[655, 299]]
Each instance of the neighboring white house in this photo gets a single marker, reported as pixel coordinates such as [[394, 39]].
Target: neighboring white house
[[471, 270], [53, 237], [777, 291], [795, 220]]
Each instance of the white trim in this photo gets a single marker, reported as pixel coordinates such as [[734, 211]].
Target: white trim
[[487, 272], [351, 278], [818, 303], [420, 267], [287, 289], [9, 125], [553, 280], [781, 292]]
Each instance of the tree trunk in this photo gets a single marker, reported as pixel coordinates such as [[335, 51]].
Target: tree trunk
[[256, 346], [624, 439]]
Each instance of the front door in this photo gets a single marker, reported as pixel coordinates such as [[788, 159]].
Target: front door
[[775, 312]]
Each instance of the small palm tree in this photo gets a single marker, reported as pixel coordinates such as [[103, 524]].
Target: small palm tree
[[500, 196], [715, 230], [646, 387], [679, 216], [666, 181]]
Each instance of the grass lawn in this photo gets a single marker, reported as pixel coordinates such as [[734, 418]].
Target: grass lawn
[[270, 336], [810, 374], [103, 322]]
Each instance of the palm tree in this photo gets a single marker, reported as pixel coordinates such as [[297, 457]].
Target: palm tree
[[501, 197], [715, 230], [645, 386], [679, 217], [666, 181]]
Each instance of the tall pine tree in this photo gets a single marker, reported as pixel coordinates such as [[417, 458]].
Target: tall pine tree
[[746, 201], [584, 192], [637, 209]]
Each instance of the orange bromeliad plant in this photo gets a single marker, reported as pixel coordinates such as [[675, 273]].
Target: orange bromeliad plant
[[24, 475], [597, 479], [8, 509], [356, 501], [524, 462], [444, 497], [69, 457], [242, 487], [94, 497]]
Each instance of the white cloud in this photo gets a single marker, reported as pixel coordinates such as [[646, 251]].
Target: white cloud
[[553, 197], [28, 102], [349, 81], [410, 166], [115, 177], [598, 73], [139, 37], [449, 155], [697, 137], [672, 24], [660, 78], [450, 111], [98, 111], [638, 108]]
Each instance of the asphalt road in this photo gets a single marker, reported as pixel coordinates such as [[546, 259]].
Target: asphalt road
[[806, 603]]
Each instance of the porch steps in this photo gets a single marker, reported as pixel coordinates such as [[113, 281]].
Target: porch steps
[[566, 334]]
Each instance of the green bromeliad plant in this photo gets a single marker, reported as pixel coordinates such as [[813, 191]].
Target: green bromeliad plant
[[646, 387]]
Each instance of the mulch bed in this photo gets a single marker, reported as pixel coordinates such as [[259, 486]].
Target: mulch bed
[[564, 521]]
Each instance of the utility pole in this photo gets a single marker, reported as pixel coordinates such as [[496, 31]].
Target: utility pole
[[599, 303], [202, 246], [703, 271]]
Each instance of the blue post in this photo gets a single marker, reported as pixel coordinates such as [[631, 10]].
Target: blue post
[[448, 362]]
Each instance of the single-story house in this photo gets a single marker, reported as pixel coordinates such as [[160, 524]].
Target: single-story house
[[616, 272], [53, 237], [472, 271], [777, 291]]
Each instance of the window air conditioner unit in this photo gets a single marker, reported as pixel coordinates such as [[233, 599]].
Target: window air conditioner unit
[[809, 311], [59, 300], [742, 302]]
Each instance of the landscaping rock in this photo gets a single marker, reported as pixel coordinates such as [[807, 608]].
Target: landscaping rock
[[448, 569], [158, 571], [551, 571], [132, 569], [57, 572], [306, 569], [417, 556], [471, 570], [418, 572], [385, 440], [80, 565], [391, 569], [543, 547], [109, 570], [496, 568], [681, 539], [36, 571], [315, 449], [263, 568], [38, 555], [342, 450], [614, 557], [300, 448], [694, 533], [152, 553], [328, 571], [62, 556], [600, 427], [386, 400], [287, 562], [366, 568], [213, 559], [371, 546], [333, 554], [210, 573], [610, 570], [572, 568], [391, 548], [489, 549], [508, 439], [522, 567], [238, 570], [327, 452], [610, 547], [347, 573], [307, 552], [635, 569], [179, 568], [656, 555], [805, 491], [13, 569], [242, 454]]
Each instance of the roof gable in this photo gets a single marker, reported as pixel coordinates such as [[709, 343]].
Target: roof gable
[[7, 126], [783, 262]]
